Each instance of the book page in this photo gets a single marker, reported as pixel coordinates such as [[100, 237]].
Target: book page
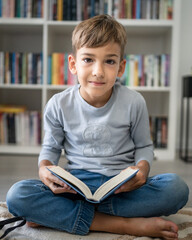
[[72, 179], [113, 182]]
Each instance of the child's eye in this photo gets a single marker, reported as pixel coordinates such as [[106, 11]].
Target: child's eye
[[110, 61], [87, 60]]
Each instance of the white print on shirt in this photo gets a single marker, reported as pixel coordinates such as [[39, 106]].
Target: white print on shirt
[[98, 141]]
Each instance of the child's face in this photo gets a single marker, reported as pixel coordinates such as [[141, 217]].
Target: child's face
[[97, 70]]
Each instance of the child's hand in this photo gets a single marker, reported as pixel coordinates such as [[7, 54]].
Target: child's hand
[[137, 181], [55, 184]]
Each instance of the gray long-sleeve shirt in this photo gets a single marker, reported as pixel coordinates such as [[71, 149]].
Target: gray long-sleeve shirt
[[104, 140]]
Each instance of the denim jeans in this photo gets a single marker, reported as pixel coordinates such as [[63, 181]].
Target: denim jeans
[[163, 194]]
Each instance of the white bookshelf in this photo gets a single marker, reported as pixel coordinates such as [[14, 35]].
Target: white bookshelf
[[44, 35]]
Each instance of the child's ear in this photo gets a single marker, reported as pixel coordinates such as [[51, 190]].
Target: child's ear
[[72, 64], [121, 68]]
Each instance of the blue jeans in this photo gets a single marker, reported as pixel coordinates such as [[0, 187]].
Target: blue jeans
[[163, 194]]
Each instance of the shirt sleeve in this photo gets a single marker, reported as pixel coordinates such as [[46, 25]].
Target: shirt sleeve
[[54, 135], [140, 133]]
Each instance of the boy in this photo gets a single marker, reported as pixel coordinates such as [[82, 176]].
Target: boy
[[103, 128]]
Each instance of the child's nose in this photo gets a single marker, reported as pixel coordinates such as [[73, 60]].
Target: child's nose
[[98, 70]]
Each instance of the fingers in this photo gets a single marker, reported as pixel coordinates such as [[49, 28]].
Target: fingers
[[55, 184], [57, 189], [127, 187], [136, 182]]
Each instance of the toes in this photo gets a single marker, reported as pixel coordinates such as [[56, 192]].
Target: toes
[[170, 235]]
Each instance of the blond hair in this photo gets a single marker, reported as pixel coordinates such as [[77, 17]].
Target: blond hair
[[99, 31]]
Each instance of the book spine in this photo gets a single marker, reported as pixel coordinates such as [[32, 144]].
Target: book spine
[[73, 11], [66, 68], [13, 70], [147, 70], [0, 8], [142, 9], [79, 10], [49, 73], [2, 67], [55, 68], [18, 126], [20, 68], [61, 69], [69, 10], [159, 130], [11, 128], [59, 10], [17, 68], [21, 8], [58, 71]]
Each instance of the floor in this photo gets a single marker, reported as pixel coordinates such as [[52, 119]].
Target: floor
[[15, 168]]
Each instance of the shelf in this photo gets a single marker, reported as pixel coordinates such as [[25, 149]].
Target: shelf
[[62, 23], [47, 36], [21, 21], [21, 86], [12, 149], [151, 89], [57, 87], [146, 22]]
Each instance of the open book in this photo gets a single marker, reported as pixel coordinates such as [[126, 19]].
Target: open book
[[102, 192]]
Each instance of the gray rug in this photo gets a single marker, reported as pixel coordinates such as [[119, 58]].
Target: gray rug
[[183, 218]]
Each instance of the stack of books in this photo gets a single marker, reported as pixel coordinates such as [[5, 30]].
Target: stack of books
[[76, 10], [58, 71], [19, 126], [143, 9], [68, 10], [147, 70], [21, 8], [159, 131], [21, 68]]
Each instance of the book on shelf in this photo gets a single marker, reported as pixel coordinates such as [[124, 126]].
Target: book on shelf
[[21, 68], [76, 10], [141, 70], [19, 126], [159, 131], [142, 9], [58, 71], [102, 192], [21, 8], [146, 70]]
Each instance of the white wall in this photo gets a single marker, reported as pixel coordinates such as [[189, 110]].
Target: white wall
[[185, 56]]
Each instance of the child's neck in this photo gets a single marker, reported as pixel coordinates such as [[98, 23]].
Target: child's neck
[[95, 101]]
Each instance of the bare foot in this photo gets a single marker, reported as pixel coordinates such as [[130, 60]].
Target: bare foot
[[33, 225], [150, 227]]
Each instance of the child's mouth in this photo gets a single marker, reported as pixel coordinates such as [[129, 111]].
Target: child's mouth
[[97, 83]]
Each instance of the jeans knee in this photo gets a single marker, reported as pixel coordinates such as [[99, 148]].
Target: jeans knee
[[14, 197], [179, 189]]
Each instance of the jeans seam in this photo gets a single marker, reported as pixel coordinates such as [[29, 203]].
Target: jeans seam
[[77, 228], [111, 206], [76, 223]]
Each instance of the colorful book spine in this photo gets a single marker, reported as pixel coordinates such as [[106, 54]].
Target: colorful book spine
[[159, 130], [19, 126], [67, 10], [143, 9], [2, 66], [21, 68], [21, 8], [0, 8], [59, 73], [147, 70]]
